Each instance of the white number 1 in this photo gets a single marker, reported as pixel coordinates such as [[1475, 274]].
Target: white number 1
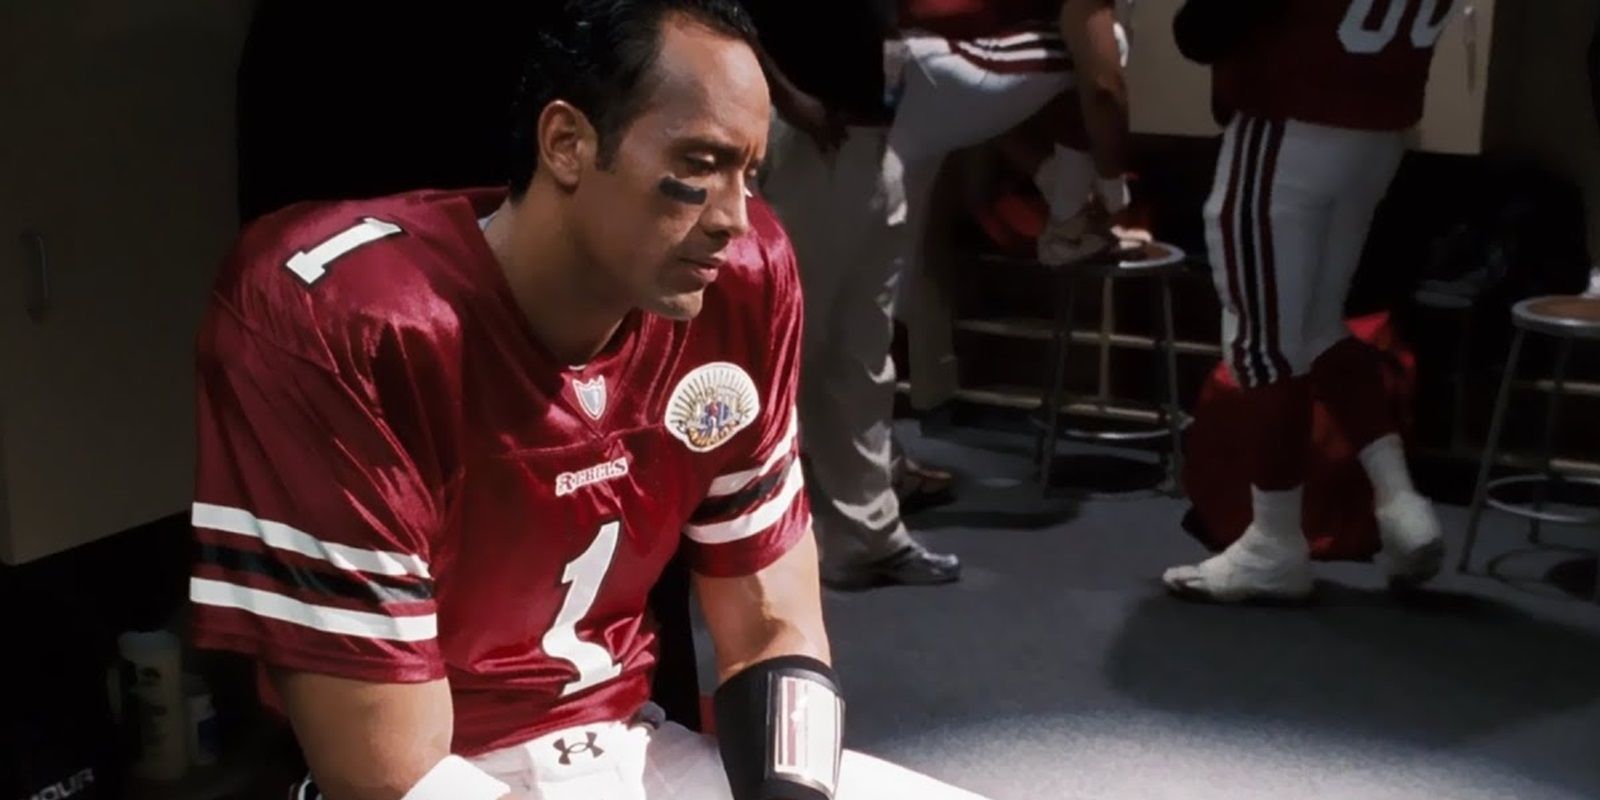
[[312, 264], [584, 574]]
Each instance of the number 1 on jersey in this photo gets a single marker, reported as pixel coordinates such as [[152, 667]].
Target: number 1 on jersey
[[312, 264], [584, 575]]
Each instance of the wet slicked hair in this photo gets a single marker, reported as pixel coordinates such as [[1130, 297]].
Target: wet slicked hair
[[598, 55]]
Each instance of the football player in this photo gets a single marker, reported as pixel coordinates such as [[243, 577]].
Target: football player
[[1318, 95], [973, 70], [448, 441], [978, 68]]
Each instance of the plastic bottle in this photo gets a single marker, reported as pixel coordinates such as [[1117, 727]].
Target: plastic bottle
[[201, 726], [155, 701]]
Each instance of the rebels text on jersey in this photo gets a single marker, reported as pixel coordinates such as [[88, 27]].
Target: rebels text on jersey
[[1360, 64], [398, 484]]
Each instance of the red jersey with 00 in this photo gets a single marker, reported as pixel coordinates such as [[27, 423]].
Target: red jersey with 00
[[398, 484], [1359, 64]]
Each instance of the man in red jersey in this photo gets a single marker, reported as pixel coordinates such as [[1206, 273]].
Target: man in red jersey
[[1318, 94], [449, 440]]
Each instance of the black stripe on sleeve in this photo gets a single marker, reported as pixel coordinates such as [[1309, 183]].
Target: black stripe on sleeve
[[716, 509], [382, 588]]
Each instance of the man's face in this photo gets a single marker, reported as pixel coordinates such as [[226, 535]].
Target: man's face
[[658, 220]]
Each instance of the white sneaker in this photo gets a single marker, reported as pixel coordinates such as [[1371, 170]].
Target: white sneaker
[[1081, 236], [1413, 540], [1256, 568]]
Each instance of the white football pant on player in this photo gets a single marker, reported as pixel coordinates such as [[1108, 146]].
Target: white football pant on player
[[621, 761], [1286, 222]]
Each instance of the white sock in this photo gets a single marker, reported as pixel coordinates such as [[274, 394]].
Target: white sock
[[1277, 515], [1385, 463], [1065, 179]]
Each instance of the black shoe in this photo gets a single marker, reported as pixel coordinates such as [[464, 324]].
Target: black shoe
[[913, 566]]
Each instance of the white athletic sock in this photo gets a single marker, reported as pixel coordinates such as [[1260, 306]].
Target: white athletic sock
[[1277, 516], [1385, 463], [1065, 179]]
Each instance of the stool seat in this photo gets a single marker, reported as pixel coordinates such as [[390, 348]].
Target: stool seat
[[1135, 257], [1565, 316]]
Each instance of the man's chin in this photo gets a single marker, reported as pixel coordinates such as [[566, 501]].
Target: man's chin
[[682, 306]]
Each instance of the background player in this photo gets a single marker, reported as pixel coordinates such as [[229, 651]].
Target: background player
[[1319, 93], [976, 69], [438, 534]]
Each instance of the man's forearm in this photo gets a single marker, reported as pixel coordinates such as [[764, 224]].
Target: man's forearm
[[1105, 118], [372, 741], [775, 613], [1089, 28]]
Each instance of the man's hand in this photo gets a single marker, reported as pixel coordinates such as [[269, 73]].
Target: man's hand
[[815, 120], [800, 109]]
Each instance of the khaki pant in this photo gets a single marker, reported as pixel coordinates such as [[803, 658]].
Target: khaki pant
[[834, 209]]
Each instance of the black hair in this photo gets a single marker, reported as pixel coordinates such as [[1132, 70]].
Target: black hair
[[598, 56]]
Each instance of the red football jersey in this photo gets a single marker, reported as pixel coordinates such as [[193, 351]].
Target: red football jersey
[[397, 483], [1359, 64], [976, 19]]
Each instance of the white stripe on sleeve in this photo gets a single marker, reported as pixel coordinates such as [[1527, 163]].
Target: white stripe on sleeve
[[733, 482], [283, 537], [339, 621], [757, 521]]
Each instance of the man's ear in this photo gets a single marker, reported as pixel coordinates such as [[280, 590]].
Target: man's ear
[[567, 143]]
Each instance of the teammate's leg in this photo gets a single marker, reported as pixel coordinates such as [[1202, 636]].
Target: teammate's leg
[[1348, 375], [1266, 219], [950, 100], [833, 209]]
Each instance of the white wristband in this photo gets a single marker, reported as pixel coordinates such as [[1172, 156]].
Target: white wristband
[[1113, 193], [455, 778]]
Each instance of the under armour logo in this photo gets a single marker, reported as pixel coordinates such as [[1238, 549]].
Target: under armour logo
[[588, 748]]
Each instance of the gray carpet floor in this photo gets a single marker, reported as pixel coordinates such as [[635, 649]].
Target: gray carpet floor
[[1058, 668]]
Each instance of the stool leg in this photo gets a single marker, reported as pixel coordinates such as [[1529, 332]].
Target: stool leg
[[1058, 376], [1480, 490], [1174, 408], [1547, 447], [1458, 379], [1052, 362]]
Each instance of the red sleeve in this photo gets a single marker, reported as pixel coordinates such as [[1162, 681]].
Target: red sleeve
[[312, 521], [756, 510]]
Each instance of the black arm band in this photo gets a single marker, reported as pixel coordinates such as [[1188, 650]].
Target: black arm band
[[779, 727]]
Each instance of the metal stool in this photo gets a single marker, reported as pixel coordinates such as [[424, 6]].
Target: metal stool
[[1567, 318], [1157, 260]]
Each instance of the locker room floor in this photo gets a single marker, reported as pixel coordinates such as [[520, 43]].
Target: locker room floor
[[1058, 668]]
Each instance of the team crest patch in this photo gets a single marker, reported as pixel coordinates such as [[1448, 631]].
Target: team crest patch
[[711, 404], [591, 396]]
